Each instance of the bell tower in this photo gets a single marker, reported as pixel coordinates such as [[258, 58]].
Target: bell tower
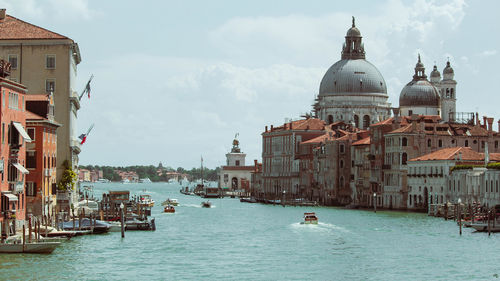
[[353, 47], [448, 87]]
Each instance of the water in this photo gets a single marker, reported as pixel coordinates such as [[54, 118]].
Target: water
[[244, 241]]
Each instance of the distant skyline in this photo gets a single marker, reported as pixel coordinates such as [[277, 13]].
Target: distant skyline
[[175, 80]]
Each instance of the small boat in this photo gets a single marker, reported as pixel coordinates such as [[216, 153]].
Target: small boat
[[115, 226], [206, 204], [87, 224], [36, 247], [483, 227], [248, 200], [169, 209], [136, 224], [310, 218], [172, 202], [145, 199]]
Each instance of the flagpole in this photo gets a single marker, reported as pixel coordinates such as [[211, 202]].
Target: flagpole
[[87, 88]]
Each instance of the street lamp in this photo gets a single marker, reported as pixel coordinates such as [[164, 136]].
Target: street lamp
[[122, 219], [374, 202]]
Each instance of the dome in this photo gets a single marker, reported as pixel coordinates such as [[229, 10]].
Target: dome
[[435, 73], [353, 32], [448, 72], [353, 77], [419, 93]]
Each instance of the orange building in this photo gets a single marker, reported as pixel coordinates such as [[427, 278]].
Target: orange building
[[41, 186], [12, 152]]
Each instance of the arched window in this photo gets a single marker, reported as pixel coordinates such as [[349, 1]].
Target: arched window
[[409, 197], [234, 183], [451, 93], [366, 121], [356, 121], [404, 142], [330, 119], [404, 158], [429, 143]]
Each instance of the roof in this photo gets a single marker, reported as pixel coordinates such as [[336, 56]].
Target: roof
[[238, 168], [451, 153], [303, 124], [32, 116], [364, 141], [320, 139], [12, 28]]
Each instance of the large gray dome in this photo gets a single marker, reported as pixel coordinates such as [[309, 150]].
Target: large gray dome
[[419, 93], [353, 77]]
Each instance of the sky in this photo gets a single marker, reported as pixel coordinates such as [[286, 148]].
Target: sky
[[176, 80]]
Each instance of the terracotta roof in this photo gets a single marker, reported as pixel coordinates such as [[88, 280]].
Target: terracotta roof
[[13, 28], [304, 124], [320, 139], [238, 168], [362, 141], [450, 153], [32, 116]]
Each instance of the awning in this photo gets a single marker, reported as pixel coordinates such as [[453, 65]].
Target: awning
[[21, 130], [20, 168], [11, 197]]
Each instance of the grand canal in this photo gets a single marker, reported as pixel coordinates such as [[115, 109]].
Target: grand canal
[[244, 241]]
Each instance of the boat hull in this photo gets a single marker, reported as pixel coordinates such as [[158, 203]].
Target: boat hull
[[34, 248]]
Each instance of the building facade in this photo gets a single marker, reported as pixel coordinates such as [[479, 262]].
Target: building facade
[[235, 176], [45, 62]]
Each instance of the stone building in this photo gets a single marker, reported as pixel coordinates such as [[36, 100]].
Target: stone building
[[353, 90], [235, 175], [45, 61], [280, 165]]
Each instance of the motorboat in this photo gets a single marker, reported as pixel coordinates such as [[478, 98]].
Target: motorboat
[[206, 204], [172, 202], [146, 200], [115, 226], [169, 209], [310, 218], [248, 200], [136, 224], [87, 207], [87, 224], [483, 227]]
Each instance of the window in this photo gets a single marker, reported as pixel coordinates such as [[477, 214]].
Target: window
[[404, 158], [31, 133], [237, 162], [50, 85], [31, 159], [13, 100], [366, 121], [356, 121], [410, 112], [404, 142], [482, 144], [31, 189], [50, 62], [3, 133], [496, 144], [341, 148], [440, 143], [13, 61], [341, 164], [466, 143], [330, 119], [429, 143]]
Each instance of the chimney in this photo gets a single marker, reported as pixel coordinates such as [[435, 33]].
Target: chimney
[[271, 128], [291, 126], [484, 122], [490, 124], [255, 162], [266, 129], [2, 14], [477, 119]]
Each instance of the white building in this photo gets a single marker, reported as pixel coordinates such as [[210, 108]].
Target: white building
[[353, 90], [235, 175]]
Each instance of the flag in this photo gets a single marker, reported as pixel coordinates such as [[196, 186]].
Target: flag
[[87, 89], [83, 137]]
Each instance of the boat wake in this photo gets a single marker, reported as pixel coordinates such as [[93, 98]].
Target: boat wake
[[321, 227]]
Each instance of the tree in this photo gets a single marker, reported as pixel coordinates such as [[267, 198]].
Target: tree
[[68, 179]]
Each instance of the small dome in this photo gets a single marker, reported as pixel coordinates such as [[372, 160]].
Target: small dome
[[353, 32], [448, 72], [419, 93], [435, 72]]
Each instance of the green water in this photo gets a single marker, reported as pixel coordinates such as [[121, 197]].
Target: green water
[[244, 241]]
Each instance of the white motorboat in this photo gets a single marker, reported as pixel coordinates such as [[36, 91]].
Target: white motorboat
[[145, 199], [310, 218], [169, 201], [116, 226], [206, 204]]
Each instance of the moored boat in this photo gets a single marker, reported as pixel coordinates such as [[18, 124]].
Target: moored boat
[[87, 224], [310, 218], [35, 248]]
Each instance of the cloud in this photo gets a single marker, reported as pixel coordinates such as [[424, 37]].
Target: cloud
[[488, 53]]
